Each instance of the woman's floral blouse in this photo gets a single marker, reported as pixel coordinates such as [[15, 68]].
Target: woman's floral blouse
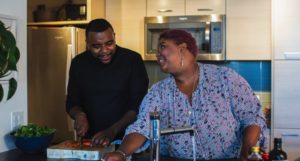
[[223, 104]]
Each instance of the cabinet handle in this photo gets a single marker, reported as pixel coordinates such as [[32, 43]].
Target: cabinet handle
[[164, 10], [292, 55], [204, 9], [290, 135]]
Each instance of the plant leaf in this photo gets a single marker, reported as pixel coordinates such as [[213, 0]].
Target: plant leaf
[[1, 92], [9, 56], [13, 58], [8, 39], [12, 88]]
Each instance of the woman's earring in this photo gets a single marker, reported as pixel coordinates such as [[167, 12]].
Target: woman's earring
[[181, 60]]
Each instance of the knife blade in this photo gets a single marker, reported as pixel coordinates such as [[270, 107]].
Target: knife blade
[[80, 139]]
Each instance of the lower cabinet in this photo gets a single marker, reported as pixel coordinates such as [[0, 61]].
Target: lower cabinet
[[286, 106], [290, 142]]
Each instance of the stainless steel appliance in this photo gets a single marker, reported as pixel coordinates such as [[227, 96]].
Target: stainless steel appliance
[[50, 51], [208, 30]]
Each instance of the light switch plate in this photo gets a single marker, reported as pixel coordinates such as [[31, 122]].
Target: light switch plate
[[17, 119]]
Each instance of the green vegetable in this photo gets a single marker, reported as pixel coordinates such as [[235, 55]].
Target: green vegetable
[[32, 130]]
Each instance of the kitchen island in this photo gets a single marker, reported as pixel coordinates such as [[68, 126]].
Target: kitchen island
[[18, 155]]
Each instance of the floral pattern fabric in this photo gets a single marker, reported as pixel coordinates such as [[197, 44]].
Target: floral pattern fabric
[[223, 104]]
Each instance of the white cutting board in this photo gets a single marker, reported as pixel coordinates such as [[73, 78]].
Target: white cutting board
[[61, 151]]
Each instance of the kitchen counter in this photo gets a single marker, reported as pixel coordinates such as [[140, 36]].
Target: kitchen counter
[[18, 155]]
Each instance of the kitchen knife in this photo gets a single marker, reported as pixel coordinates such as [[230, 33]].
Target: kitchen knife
[[80, 139]]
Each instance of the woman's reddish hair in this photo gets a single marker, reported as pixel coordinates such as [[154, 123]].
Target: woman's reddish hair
[[181, 36]]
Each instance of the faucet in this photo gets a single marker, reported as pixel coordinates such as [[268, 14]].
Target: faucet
[[156, 132]]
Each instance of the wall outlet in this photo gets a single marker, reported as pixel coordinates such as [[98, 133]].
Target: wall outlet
[[17, 119]]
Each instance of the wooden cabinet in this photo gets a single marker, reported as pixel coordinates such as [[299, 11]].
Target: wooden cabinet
[[248, 29], [205, 7], [184, 7], [127, 18], [286, 24], [165, 7], [56, 11]]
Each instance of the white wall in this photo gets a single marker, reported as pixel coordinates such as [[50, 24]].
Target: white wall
[[17, 9]]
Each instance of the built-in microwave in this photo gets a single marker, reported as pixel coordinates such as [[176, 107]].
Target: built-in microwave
[[208, 30]]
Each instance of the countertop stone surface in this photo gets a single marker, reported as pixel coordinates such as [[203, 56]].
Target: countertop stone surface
[[18, 155]]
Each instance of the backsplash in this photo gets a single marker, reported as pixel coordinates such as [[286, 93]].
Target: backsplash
[[257, 73]]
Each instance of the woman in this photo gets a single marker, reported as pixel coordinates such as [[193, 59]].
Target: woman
[[215, 100]]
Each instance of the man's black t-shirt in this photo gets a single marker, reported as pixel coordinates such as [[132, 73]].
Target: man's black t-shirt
[[106, 91]]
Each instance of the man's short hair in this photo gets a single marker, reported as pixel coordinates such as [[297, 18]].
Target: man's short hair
[[97, 25]]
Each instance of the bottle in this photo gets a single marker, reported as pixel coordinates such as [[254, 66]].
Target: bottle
[[255, 156], [277, 153]]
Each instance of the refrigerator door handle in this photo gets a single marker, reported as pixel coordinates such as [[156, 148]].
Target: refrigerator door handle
[[70, 56]]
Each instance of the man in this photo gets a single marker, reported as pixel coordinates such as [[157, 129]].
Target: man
[[106, 85]]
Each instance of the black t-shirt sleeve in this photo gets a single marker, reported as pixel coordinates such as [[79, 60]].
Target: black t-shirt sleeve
[[73, 98], [138, 83]]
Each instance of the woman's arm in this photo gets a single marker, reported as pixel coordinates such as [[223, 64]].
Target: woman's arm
[[130, 144], [250, 138]]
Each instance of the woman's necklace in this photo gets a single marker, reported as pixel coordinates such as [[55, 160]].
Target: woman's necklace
[[194, 83], [189, 88], [196, 78]]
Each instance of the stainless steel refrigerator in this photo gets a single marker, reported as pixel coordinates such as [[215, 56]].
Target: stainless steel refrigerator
[[50, 50]]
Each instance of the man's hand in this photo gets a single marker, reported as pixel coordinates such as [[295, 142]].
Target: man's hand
[[103, 138], [81, 124]]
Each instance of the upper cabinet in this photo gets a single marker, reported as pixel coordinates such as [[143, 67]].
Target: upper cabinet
[[205, 7], [286, 24], [165, 7], [127, 19], [248, 29], [64, 12], [184, 7]]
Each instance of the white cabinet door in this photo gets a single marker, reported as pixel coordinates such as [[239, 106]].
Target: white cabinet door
[[286, 94], [248, 29], [165, 8], [290, 142], [204, 7], [127, 18], [286, 25]]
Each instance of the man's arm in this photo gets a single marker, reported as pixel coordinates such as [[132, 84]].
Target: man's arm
[[250, 138], [74, 111], [81, 123], [127, 119], [106, 136]]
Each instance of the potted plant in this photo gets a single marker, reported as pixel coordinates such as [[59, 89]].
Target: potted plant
[[33, 138], [9, 56]]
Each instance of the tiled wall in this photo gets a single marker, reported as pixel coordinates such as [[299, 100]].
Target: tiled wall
[[257, 73]]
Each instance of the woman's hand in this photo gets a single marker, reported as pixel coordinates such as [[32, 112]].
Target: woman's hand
[[114, 156]]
